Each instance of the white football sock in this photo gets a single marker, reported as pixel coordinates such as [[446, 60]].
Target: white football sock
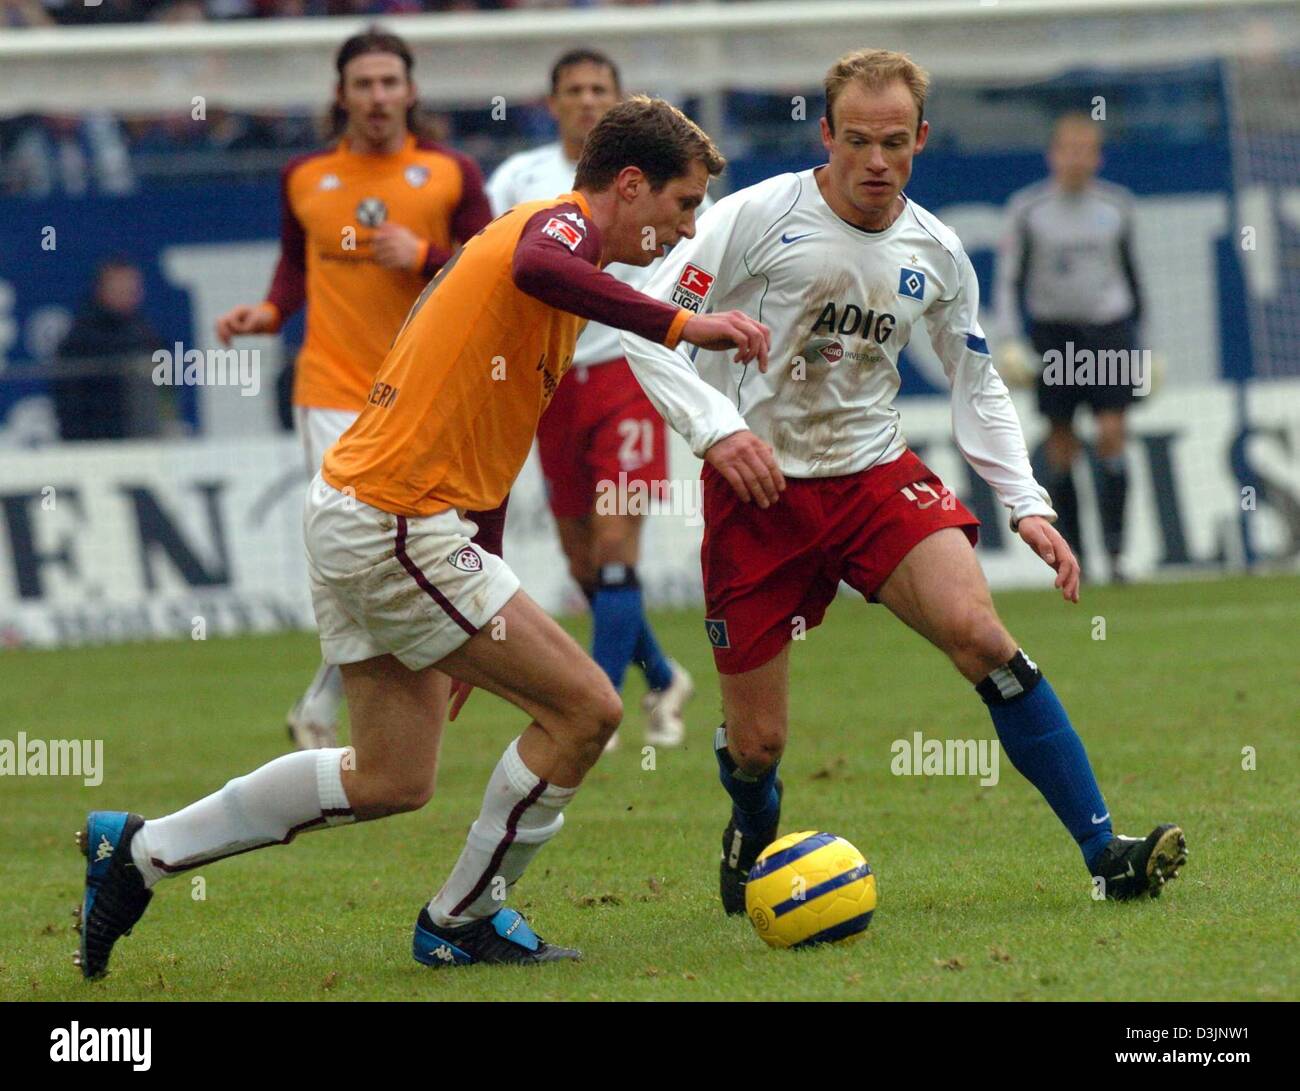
[[292, 794], [320, 704], [520, 814]]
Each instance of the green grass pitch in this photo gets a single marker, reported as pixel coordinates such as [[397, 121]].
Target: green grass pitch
[[982, 894]]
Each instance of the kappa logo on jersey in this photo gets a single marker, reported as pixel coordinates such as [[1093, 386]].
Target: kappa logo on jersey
[[416, 176], [466, 559], [911, 283], [371, 212], [329, 181], [564, 232], [692, 288], [717, 630], [582, 224]]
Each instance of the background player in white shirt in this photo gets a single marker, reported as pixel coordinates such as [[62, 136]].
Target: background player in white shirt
[[600, 427], [842, 266]]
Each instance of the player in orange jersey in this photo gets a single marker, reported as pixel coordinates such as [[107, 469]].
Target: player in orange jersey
[[404, 598], [364, 224], [601, 439]]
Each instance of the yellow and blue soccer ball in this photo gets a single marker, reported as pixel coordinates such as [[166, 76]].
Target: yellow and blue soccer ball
[[808, 888]]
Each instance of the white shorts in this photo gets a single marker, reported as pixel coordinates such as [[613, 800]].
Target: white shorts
[[319, 430], [415, 588]]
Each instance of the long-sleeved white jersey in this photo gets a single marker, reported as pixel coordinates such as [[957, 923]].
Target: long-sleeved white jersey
[[841, 303]]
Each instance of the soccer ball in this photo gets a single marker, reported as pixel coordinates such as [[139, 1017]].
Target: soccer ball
[[809, 888]]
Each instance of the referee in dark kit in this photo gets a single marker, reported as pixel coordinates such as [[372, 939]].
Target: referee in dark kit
[[1066, 265]]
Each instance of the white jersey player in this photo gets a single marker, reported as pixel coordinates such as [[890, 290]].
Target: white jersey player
[[843, 268], [600, 435], [842, 303]]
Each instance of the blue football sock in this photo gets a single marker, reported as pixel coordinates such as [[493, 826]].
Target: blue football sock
[[1036, 734], [754, 802], [650, 657], [617, 616]]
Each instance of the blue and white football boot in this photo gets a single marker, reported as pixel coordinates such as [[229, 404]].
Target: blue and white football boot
[[115, 896], [503, 938]]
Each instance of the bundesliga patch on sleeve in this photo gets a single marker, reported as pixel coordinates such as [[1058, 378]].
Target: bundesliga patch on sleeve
[[692, 288], [566, 233]]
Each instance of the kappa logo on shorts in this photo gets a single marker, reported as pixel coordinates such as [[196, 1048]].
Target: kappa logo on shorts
[[692, 288], [466, 559], [717, 630]]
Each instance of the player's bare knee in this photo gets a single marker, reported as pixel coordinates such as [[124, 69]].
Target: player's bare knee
[[593, 714], [409, 794], [758, 748], [582, 571], [614, 540], [1110, 444], [389, 791], [1061, 446], [607, 713], [979, 643]]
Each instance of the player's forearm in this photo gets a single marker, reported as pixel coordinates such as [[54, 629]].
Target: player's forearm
[[1130, 274], [568, 283], [288, 291], [432, 258], [1009, 286], [986, 429], [1007, 321], [474, 210], [699, 413]]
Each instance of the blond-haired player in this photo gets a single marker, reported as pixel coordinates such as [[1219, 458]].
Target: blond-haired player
[[846, 266]]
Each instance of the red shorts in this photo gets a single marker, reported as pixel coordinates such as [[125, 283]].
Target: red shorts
[[600, 427], [769, 574]]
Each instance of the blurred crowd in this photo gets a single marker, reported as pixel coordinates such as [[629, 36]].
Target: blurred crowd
[[98, 152], [32, 13]]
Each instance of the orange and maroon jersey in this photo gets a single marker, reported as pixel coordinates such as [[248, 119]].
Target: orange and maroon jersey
[[455, 405], [332, 203]]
